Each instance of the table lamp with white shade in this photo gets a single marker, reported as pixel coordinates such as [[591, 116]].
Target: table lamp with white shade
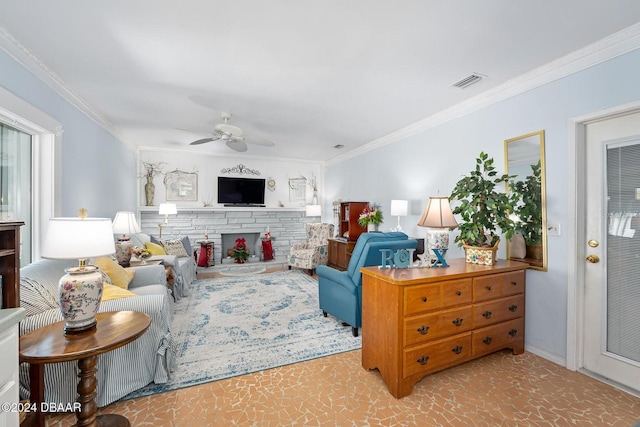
[[438, 219], [313, 210], [124, 223], [166, 209], [80, 290], [399, 208]]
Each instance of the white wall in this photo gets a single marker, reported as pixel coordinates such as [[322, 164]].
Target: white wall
[[210, 167], [432, 161]]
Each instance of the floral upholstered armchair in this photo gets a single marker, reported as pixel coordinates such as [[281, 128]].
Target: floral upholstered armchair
[[314, 251]]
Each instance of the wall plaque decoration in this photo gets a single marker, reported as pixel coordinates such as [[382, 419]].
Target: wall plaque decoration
[[297, 190], [241, 169], [181, 186]]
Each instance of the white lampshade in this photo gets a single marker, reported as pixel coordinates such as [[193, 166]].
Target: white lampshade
[[399, 207], [438, 214], [314, 210], [168, 209], [77, 238], [125, 223]]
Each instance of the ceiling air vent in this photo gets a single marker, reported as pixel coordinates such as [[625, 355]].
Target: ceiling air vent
[[468, 81]]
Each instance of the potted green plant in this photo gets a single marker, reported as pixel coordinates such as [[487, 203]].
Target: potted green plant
[[484, 209], [528, 211]]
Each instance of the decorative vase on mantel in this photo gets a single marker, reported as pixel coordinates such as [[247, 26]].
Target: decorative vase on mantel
[[149, 190]]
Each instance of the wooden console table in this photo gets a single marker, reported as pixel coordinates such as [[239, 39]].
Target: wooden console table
[[421, 320], [49, 344], [339, 252]]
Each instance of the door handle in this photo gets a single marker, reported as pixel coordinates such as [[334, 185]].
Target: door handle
[[593, 259]]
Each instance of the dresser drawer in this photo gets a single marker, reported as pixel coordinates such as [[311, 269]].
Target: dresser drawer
[[418, 299], [508, 334], [513, 283], [487, 287], [437, 355], [457, 292], [492, 312], [433, 326]]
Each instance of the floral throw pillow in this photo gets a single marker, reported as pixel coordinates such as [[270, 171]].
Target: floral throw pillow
[[175, 247]]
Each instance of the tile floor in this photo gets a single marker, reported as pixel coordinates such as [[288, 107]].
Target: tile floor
[[497, 390]]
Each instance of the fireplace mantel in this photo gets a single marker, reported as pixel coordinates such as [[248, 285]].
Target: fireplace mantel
[[225, 209]]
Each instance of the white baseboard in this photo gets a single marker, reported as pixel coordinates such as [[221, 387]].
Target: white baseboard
[[546, 355]]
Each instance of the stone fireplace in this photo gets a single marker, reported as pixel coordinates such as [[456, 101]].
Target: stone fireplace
[[228, 241], [286, 226]]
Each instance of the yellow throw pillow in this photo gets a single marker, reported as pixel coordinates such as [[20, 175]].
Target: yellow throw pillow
[[119, 276], [155, 249], [110, 292]]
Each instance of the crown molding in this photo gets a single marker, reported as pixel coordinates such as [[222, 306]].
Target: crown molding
[[603, 50], [31, 62]]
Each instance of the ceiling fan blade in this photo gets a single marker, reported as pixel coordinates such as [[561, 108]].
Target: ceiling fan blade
[[237, 145], [202, 141], [258, 140]]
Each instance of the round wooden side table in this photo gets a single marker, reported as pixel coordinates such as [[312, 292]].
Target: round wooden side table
[[49, 344]]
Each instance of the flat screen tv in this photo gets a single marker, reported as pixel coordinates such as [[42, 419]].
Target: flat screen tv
[[240, 191]]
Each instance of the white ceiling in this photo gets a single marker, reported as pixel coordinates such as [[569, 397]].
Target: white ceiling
[[306, 75]]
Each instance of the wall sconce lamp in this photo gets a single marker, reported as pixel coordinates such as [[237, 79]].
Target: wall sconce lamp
[[399, 208], [166, 209], [438, 219]]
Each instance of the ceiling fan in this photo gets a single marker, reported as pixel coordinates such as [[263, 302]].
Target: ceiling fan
[[232, 136]]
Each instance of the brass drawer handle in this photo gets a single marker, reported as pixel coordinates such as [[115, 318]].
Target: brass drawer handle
[[489, 288], [423, 360], [423, 329], [457, 349], [486, 315], [513, 308], [514, 283], [424, 299], [457, 321], [459, 293], [513, 332], [487, 340]]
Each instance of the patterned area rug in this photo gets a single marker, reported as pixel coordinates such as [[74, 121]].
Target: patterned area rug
[[232, 326], [243, 271]]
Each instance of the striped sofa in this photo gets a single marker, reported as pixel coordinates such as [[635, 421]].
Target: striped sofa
[[148, 359]]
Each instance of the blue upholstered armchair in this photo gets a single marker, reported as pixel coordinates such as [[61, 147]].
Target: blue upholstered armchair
[[341, 291]]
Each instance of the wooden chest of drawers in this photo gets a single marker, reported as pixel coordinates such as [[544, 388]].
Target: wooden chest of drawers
[[419, 321]]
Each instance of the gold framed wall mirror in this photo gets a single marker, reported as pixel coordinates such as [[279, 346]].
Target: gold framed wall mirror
[[524, 158]]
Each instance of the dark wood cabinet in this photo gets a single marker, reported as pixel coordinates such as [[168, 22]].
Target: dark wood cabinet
[[348, 226], [10, 262], [340, 253], [349, 230]]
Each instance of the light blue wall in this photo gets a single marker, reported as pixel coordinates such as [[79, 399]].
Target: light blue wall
[[422, 165], [98, 171]]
